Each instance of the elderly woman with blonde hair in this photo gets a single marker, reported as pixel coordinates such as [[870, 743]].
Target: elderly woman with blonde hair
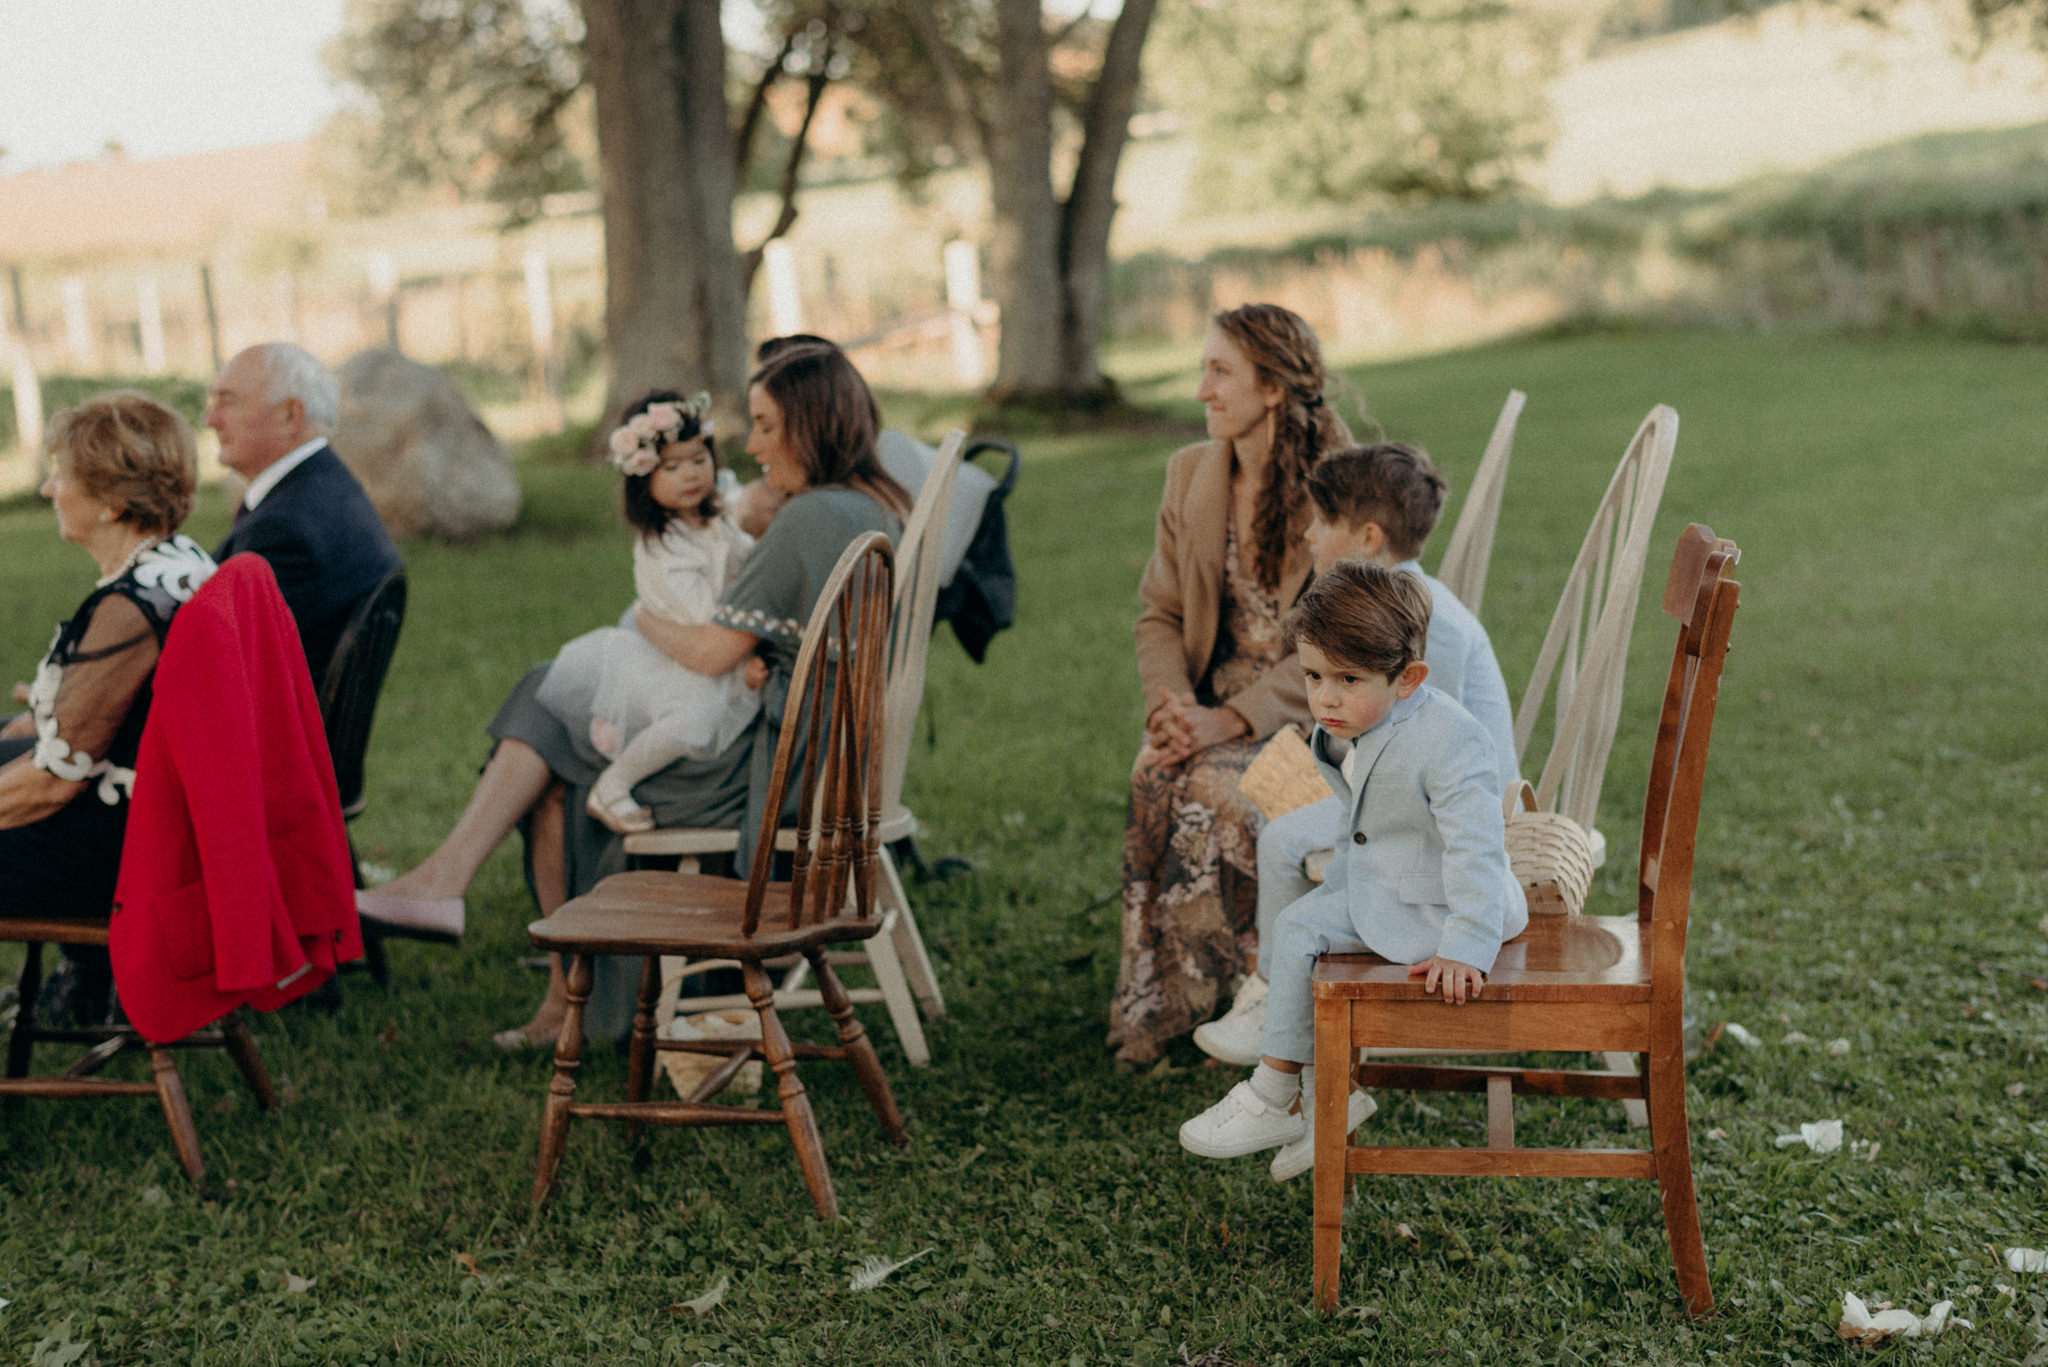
[[123, 477]]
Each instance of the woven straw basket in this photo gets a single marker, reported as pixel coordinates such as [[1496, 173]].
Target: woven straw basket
[[1550, 855], [1284, 776]]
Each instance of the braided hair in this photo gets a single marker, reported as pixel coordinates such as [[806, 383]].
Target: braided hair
[[1284, 352]]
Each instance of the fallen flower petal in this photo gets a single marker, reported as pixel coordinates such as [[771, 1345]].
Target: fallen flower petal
[[1838, 1047], [708, 1299], [1869, 1329], [2015, 1089], [1822, 1136], [1742, 1036], [1797, 1037], [2026, 1260], [1717, 1133], [1408, 1236], [297, 1285], [875, 1269]]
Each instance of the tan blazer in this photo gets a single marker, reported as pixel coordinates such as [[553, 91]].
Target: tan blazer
[[1182, 593]]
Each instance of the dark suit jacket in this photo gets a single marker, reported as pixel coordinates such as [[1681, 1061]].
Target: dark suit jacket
[[326, 545]]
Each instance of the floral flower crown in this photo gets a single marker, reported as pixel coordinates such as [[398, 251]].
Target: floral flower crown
[[636, 443]]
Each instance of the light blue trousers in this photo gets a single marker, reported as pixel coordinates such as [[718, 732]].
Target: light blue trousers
[[1284, 842], [1317, 924]]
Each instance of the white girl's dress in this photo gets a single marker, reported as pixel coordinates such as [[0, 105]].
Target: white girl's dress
[[613, 684]]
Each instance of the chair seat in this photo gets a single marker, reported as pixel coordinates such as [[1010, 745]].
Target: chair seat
[[53, 932], [1557, 959], [653, 912]]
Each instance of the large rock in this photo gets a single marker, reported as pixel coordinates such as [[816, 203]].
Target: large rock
[[425, 458]]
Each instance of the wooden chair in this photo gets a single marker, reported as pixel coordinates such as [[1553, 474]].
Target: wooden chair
[[902, 968], [348, 706], [1463, 570], [1568, 984], [834, 715], [108, 1041]]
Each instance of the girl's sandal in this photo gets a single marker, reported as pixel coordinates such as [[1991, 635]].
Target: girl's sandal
[[618, 812]]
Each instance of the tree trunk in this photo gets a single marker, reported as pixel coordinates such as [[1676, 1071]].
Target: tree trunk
[[1091, 203], [1024, 237], [674, 314]]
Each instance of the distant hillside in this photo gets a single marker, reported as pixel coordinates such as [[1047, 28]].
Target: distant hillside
[[117, 207]]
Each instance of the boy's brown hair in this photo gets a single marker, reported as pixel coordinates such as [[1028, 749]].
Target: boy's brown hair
[[1390, 483], [1363, 616]]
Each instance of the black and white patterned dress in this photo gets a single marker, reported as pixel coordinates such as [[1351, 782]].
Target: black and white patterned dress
[[89, 701]]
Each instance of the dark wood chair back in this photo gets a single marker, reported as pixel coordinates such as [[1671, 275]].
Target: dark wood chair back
[[355, 676], [831, 749]]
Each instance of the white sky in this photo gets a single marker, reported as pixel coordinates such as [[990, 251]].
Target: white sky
[[160, 76], [165, 77]]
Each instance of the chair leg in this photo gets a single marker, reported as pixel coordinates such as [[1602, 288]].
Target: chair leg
[[889, 976], [1332, 1102], [170, 1092], [640, 1054], [1672, 1148], [241, 1047], [860, 1049], [796, 1106], [23, 1041], [554, 1116], [917, 965]]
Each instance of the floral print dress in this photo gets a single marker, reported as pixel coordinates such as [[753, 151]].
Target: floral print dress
[[1190, 868]]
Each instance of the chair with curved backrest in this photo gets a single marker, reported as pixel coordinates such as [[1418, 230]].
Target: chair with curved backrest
[[834, 717], [348, 706], [903, 971], [1569, 984], [1465, 561]]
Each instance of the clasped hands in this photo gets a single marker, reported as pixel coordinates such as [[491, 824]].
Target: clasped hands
[[1180, 727]]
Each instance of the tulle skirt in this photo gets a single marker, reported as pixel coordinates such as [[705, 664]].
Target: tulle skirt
[[611, 684]]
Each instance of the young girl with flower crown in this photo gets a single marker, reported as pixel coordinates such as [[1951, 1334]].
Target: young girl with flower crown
[[640, 709]]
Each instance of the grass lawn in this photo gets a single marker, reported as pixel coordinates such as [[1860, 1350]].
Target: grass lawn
[[1871, 869]]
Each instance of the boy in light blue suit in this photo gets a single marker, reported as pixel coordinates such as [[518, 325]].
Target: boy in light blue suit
[[1423, 879], [1377, 504]]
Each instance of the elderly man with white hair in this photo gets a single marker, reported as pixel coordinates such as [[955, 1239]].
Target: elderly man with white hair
[[274, 406]]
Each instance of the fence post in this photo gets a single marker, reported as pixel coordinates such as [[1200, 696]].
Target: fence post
[[284, 294], [78, 342], [540, 321], [384, 291], [149, 306], [963, 302], [785, 302], [212, 314], [28, 398]]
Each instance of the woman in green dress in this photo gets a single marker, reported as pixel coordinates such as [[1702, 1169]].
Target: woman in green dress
[[814, 424]]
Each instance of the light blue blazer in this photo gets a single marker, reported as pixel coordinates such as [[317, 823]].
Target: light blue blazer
[[1425, 868], [1461, 663]]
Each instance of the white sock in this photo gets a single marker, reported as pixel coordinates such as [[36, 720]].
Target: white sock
[[1308, 1087], [1275, 1088]]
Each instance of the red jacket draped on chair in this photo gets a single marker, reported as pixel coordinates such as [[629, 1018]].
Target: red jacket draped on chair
[[235, 884]]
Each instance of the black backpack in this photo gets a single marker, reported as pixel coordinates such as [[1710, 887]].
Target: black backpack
[[981, 599]]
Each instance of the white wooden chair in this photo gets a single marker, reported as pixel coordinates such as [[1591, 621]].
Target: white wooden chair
[[1585, 651], [903, 970], [1463, 570]]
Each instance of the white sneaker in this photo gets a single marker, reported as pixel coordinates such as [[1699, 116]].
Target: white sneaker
[[1297, 1158], [1234, 1037], [1239, 1124]]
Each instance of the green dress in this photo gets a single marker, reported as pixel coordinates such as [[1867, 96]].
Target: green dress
[[771, 597]]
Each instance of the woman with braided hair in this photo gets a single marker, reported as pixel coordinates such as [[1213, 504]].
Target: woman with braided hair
[[1219, 678]]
